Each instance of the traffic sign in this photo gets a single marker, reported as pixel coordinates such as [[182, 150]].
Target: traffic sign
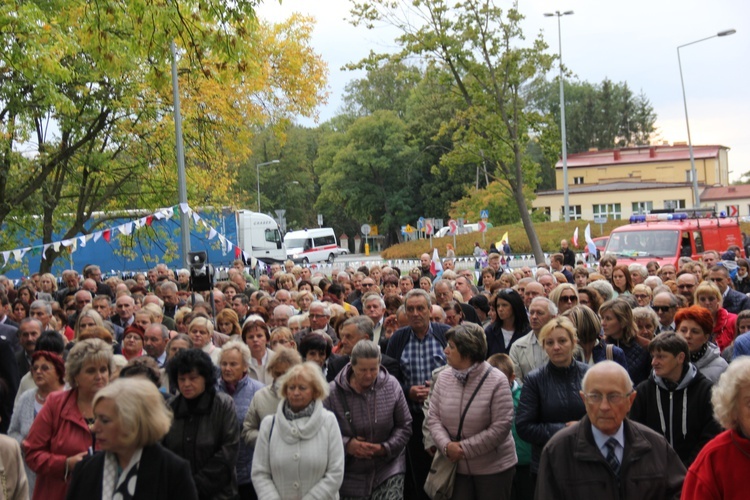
[[733, 210], [408, 229], [365, 229], [484, 214], [454, 227], [461, 221], [420, 223], [482, 226], [428, 228], [600, 220]]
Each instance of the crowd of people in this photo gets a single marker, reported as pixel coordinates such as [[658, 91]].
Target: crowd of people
[[561, 381]]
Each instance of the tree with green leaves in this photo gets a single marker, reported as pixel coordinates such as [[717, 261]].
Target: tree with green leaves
[[481, 48], [366, 171], [86, 101]]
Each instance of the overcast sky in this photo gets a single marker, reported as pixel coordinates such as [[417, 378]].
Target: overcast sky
[[633, 41]]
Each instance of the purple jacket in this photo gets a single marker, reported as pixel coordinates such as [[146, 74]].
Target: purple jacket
[[487, 441], [379, 415]]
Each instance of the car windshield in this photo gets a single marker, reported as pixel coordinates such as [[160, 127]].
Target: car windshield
[[643, 243], [294, 242]]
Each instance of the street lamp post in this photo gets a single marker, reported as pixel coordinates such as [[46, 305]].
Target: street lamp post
[[257, 174], [566, 201], [693, 172]]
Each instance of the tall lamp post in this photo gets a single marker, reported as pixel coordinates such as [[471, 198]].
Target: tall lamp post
[[257, 174], [566, 207], [693, 172]]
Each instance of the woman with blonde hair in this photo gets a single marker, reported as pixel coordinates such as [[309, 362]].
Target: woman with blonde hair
[[282, 337], [643, 295], [550, 398], [564, 296], [87, 318], [303, 300], [708, 296], [620, 330], [131, 420], [201, 332], [299, 452]]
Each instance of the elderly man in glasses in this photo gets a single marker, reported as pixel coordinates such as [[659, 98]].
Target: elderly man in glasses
[[665, 306], [606, 455]]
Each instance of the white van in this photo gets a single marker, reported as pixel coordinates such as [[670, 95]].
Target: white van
[[311, 245], [259, 236]]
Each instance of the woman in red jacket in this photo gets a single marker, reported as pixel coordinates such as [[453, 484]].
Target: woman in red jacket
[[61, 434], [720, 470]]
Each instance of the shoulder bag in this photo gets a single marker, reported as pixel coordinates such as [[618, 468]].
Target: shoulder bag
[[442, 475]]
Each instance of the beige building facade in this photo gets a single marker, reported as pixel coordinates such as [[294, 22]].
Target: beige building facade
[[618, 183]]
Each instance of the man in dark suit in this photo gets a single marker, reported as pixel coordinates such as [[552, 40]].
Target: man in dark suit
[[4, 310], [352, 331], [9, 380], [28, 332], [10, 335], [734, 301]]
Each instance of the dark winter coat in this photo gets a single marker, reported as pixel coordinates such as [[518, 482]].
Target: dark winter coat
[[549, 399]]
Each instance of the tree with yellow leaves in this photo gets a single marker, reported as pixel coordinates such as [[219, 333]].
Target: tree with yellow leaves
[[86, 104]]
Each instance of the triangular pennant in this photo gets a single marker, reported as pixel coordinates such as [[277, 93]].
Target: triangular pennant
[[126, 228], [56, 245], [44, 251], [237, 252], [6, 256], [97, 235], [82, 240], [169, 213], [149, 220], [196, 217], [184, 207], [67, 243], [212, 234], [107, 235]]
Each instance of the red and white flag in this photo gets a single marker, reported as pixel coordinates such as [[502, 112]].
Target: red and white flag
[[575, 238]]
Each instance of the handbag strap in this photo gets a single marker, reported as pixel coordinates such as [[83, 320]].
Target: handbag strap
[[466, 409], [345, 404], [610, 351]]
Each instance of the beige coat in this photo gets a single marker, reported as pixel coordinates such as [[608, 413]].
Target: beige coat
[[13, 483]]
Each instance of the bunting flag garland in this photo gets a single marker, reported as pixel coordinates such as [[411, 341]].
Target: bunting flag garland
[[72, 244]]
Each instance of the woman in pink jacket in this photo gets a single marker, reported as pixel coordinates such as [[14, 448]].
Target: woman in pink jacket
[[485, 451]]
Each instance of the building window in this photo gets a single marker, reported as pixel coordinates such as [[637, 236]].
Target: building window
[[642, 207], [577, 180], [674, 204], [612, 210], [688, 176], [575, 212]]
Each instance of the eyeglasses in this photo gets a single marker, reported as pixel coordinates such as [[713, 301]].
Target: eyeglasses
[[569, 298], [661, 308], [41, 368], [641, 296], [613, 398], [316, 316], [685, 287], [368, 285]]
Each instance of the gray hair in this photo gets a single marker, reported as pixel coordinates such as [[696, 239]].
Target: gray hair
[[370, 296], [638, 268], [35, 321], [241, 347], [365, 349], [41, 304], [551, 307], [289, 309], [604, 289], [672, 298], [646, 313], [168, 286], [162, 329], [323, 305], [363, 323], [652, 281], [183, 272], [725, 394], [470, 341], [418, 292], [445, 282]]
